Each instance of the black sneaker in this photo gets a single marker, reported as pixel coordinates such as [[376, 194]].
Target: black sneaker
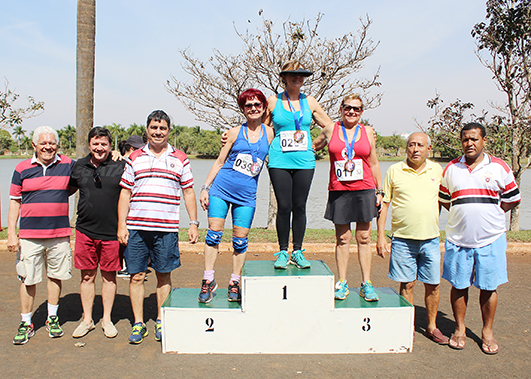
[[234, 291], [207, 291]]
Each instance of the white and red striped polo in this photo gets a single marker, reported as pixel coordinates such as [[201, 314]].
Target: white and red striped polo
[[155, 185], [476, 218]]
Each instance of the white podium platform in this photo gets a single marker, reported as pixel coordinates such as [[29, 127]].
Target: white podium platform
[[289, 311]]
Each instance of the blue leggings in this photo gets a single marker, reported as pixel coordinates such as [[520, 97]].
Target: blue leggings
[[242, 215]]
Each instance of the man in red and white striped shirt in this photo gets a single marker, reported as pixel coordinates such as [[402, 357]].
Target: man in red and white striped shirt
[[148, 216], [477, 189]]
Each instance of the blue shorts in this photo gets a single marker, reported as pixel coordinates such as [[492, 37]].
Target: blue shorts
[[415, 260], [485, 267], [242, 215], [161, 247]]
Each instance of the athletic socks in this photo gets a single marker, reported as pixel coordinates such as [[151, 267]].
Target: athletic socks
[[208, 275], [52, 309], [26, 317]]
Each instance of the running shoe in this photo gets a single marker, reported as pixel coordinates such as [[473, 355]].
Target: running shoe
[[53, 327], [297, 259], [234, 291], [367, 292], [341, 290], [282, 260], [207, 291], [122, 274], [138, 333], [24, 333], [158, 330]]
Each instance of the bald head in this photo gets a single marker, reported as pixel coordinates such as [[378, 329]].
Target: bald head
[[418, 149]]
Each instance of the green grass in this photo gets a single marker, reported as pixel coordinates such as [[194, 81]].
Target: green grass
[[261, 235]]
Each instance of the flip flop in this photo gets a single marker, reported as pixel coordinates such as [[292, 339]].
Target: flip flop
[[437, 336], [457, 342], [487, 347]]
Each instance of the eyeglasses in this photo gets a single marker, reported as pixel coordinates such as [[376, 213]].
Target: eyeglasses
[[255, 105], [348, 108]]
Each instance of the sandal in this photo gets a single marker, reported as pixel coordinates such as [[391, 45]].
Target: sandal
[[490, 347], [437, 336], [457, 342]]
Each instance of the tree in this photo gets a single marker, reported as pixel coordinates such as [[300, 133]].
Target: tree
[[85, 58], [506, 41], [393, 143], [67, 137], [5, 141], [12, 117], [19, 133], [209, 143], [212, 95]]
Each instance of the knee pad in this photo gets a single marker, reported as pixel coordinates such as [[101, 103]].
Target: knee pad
[[240, 244], [213, 238]]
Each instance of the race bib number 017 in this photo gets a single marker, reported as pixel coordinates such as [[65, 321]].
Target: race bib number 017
[[244, 164], [344, 176], [287, 142]]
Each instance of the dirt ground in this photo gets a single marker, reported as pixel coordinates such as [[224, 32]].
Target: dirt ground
[[115, 358]]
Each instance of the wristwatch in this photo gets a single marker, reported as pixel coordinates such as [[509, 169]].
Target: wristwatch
[[196, 223]]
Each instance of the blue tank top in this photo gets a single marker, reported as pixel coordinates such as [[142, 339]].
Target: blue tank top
[[281, 154], [235, 182]]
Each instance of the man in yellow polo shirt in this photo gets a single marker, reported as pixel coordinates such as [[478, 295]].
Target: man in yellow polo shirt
[[412, 187]]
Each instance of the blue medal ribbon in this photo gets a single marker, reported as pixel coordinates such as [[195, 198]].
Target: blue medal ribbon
[[350, 145], [254, 152], [296, 118]]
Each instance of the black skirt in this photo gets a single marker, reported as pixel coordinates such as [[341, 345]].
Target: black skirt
[[345, 207]]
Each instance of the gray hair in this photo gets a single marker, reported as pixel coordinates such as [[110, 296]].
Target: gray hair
[[44, 130], [428, 139]]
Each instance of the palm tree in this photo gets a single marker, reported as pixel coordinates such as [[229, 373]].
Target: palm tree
[[18, 132], [85, 57]]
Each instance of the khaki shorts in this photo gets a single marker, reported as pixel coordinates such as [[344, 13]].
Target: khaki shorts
[[35, 252]]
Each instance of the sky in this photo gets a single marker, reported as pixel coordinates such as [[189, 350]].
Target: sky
[[425, 47]]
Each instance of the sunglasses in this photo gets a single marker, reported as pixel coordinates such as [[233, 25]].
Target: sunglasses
[[96, 177], [348, 108], [255, 105]]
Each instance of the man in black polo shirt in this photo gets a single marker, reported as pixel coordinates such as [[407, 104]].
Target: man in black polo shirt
[[97, 177]]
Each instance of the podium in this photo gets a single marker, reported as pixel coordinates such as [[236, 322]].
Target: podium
[[290, 311]]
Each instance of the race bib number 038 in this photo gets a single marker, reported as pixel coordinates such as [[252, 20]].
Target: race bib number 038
[[287, 141], [244, 164], [344, 176]]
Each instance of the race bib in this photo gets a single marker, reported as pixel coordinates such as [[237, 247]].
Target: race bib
[[244, 164], [288, 143], [343, 175]]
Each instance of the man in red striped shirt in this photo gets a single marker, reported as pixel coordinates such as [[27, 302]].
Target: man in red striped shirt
[[477, 189], [39, 196], [148, 216]]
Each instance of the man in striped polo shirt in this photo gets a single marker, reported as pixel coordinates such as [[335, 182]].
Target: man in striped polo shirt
[[477, 189], [39, 196], [148, 216]]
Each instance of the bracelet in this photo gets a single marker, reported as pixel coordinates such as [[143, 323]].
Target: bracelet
[[204, 187], [380, 191], [196, 223]]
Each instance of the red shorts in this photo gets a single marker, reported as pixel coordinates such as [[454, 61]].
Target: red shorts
[[89, 252]]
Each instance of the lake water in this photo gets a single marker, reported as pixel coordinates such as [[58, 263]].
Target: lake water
[[316, 202]]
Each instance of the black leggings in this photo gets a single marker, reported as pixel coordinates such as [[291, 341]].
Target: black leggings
[[291, 190]]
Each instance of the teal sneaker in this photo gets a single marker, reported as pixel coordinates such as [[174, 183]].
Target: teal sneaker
[[341, 290], [367, 292], [53, 327], [282, 260], [297, 259], [24, 333], [158, 330], [138, 333]]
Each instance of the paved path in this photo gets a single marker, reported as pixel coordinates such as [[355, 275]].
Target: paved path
[[104, 358]]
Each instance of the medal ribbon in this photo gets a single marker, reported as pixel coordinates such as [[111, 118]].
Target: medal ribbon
[[254, 152], [350, 146], [298, 120]]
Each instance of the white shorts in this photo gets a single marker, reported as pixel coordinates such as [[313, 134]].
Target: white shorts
[[34, 252]]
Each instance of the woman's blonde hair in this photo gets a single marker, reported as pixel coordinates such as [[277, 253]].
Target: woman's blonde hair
[[352, 96]]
